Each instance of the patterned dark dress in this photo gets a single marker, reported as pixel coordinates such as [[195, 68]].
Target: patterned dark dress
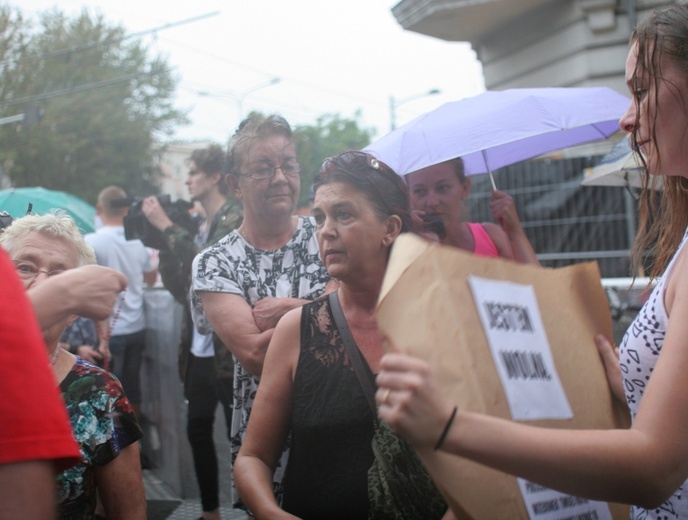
[[103, 424], [332, 426]]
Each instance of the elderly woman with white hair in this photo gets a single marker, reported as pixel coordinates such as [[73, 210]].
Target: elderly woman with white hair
[[105, 427]]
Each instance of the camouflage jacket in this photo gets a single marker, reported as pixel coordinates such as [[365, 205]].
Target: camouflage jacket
[[175, 271]]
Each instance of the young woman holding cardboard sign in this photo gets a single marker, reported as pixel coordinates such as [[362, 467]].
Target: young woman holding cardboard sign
[[647, 465]]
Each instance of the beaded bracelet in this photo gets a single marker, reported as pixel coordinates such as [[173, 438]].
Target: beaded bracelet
[[446, 429]]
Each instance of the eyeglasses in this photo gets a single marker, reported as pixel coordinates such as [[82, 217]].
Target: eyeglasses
[[29, 271], [290, 169]]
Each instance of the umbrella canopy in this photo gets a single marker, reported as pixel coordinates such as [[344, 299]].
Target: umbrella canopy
[[620, 167], [496, 129], [15, 201]]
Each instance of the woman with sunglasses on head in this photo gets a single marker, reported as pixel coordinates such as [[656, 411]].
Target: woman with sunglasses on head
[[244, 283], [647, 465], [43, 249], [319, 382]]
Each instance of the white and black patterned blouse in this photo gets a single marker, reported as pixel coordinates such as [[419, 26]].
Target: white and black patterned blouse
[[233, 266], [638, 354]]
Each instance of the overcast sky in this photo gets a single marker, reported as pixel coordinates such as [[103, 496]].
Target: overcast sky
[[331, 57]]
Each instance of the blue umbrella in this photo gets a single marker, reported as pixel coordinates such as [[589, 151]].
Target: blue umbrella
[[15, 201]]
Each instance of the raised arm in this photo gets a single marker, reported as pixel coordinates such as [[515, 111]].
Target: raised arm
[[176, 261], [269, 422], [89, 291], [177, 257], [500, 239], [504, 213]]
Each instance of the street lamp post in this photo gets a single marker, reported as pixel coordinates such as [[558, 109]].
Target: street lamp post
[[242, 95], [394, 104]]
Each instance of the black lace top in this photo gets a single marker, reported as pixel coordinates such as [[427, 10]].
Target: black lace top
[[332, 426]]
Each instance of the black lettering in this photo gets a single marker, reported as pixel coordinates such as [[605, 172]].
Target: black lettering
[[569, 501], [532, 487], [547, 506], [508, 317], [590, 515], [520, 364]]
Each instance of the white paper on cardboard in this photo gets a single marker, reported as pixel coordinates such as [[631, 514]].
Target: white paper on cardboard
[[516, 336], [546, 504]]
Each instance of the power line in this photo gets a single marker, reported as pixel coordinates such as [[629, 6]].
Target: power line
[[79, 88], [108, 42], [285, 78]]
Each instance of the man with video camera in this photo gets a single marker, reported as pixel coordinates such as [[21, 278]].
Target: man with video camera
[[205, 364]]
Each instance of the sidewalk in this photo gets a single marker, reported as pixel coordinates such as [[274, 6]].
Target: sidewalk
[[164, 505]]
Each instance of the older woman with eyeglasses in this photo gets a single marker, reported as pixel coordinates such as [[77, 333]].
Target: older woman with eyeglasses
[[44, 249], [247, 281], [319, 376]]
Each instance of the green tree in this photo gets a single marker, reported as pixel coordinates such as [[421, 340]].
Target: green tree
[[330, 135], [104, 101]]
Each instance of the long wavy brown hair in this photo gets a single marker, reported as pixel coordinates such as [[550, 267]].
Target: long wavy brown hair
[[663, 215]]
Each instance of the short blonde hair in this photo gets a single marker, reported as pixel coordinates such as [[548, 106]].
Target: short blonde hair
[[57, 225]]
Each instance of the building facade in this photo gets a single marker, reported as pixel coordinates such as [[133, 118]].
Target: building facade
[[172, 159], [535, 43]]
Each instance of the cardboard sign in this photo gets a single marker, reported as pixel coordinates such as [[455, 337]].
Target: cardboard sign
[[429, 309], [520, 351]]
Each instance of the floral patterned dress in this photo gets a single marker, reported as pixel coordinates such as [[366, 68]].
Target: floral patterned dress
[[103, 423]]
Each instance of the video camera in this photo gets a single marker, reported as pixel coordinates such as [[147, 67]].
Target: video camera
[[136, 225], [5, 220]]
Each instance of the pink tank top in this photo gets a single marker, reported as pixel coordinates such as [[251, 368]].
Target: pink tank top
[[484, 246]]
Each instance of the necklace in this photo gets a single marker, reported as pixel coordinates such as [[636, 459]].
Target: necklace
[[56, 352], [242, 232], [105, 337]]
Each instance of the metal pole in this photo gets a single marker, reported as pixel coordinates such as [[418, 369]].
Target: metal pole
[[394, 104], [241, 96], [392, 113], [631, 12]]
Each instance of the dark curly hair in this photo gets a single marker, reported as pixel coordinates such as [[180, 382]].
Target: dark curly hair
[[211, 160], [386, 191]]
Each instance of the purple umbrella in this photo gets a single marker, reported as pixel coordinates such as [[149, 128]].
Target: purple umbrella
[[496, 129]]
